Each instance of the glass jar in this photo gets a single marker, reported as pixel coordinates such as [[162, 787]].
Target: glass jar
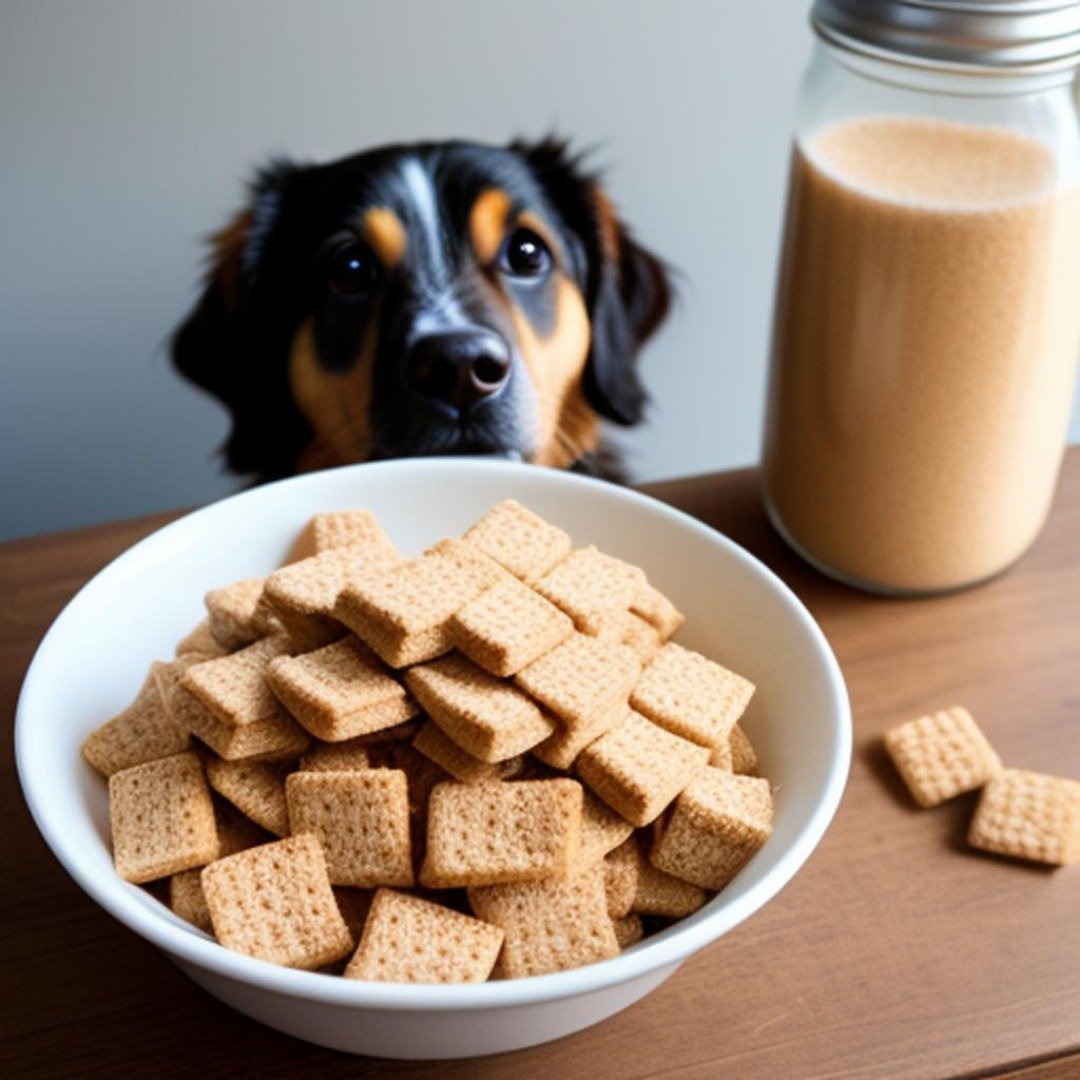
[[927, 321]]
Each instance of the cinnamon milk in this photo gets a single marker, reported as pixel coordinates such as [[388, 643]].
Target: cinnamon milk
[[924, 352]]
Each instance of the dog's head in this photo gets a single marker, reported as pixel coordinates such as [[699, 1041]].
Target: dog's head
[[438, 298]]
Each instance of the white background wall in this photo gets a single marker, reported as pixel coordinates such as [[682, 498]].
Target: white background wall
[[127, 126]]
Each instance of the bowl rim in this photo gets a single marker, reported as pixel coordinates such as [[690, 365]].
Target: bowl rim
[[126, 902]]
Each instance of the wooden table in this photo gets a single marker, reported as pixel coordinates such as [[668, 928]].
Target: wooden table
[[895, 952]]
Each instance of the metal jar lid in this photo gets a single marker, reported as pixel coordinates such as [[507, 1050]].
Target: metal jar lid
[[972, 36]]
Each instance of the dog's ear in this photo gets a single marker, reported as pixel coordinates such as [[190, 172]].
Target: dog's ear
[[222, 346], [626, 287]]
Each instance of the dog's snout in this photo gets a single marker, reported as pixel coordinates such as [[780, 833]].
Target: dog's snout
[[460, 368]]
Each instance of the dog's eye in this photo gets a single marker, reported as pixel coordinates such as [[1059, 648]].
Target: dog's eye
[[350, 270], [525, 255]]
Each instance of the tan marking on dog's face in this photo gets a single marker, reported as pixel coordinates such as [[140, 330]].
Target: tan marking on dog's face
[[487, 224], [568, 426], [337, 405], [385, 233]]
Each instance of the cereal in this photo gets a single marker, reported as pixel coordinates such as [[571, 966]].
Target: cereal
[[941, 755], [162, 818], [485, 834], [550, 925], [339, 691], [519, 540], [347, 529], [489, 718], [627, 628], [409, 940], [735, 754], [562, 749], [581, 678], [691, 696], [144, 731], [663, 895], [628, 930], [1029, 815], [657, 610], [362, 821], [237, 616], [602, 830], [200, 642], [718, 824], [257, 790], [638, 768], [589, 585], [507, 627], [621, 872], [435, 744], [274, 903]]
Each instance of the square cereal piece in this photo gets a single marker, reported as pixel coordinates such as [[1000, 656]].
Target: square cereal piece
[[657, 610], [562, 749], [399, 649], [274, 903], [621, 870], [303, 595], [486, 834], [691, 696], [256, 789], [336, 529], [162, 818], [409, 940], [581, 678], [489, 718], [201, 643], [362, 821], [237, 615], [340, 691], [735, 754], [437, 746], [941, 755], [144, 731], [719, 823], [508, 626], [480, 568], [1029, 815], [664, 896], [602, 831], [589, 585], [627, 628], [518, 539], [628, 930], [550, 925], [638, 768]]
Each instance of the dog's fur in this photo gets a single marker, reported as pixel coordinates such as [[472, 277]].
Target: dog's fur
[[335, 275]]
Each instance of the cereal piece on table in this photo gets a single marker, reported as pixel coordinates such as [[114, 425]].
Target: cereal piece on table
[[562, 749], [621, 871], [581, 678], [691, 696], [257, 790], [485, 834], [362, 821], [144, 731], [339, 691], [1029, 815], [237, 616], [354, 905], [663, 895], [657, 610], [638, 768], [719, 823], [241, 716], [622, 627], [628, 930], [162, 818], [941, 755], [589, 585], [335, 529], [518, 539], [508, 626], [274, 903], [436, 745], [550, 925], [409, 940], [735, 754], [602, 830], [489, 718], [200, 642]]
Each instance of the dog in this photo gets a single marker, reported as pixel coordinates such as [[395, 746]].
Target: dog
[[435, 298]]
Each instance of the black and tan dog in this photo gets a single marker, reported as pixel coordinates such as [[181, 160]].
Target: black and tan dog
[[429, 299]]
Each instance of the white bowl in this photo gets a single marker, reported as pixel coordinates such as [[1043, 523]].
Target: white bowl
[[93, 659]]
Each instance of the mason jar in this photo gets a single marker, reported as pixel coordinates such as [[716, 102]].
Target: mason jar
[[927, 320]]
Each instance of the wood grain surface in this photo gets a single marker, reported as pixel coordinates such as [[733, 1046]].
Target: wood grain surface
[[895, 953]]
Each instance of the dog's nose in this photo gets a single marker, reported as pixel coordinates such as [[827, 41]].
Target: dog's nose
[[459, 368]]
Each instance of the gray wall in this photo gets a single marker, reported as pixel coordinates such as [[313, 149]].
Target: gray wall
[[126, 127]]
